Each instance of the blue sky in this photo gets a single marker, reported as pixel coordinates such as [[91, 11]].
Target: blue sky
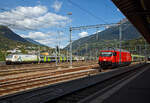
[[46, 21]]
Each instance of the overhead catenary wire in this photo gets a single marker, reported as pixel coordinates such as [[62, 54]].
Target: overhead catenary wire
[[98, 26], [88, 12], [112, 9]]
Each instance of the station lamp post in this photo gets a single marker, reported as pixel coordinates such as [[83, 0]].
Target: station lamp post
[[70, 47], [70, 13]]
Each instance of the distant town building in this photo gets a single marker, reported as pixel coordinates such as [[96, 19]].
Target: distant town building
[[32, 51], [29, 47], [14, 51]]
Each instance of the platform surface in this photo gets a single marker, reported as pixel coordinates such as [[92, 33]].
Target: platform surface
[[136, 91]]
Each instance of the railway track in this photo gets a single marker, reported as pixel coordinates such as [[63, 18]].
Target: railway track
[[51, 64], [24, 70], [13, 70], [7, 79], [25, 81], [38, 68], [84, 95]]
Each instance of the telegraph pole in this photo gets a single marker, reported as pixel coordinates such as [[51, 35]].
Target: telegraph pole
[[59, 54], [70, 13], [56, 55], [120, 38], [86, 52], [67, 54], [97, 40], [70, 47]]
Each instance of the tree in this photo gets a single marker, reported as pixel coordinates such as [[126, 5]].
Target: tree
[[2, 56]]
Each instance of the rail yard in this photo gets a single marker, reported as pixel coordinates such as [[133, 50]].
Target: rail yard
[[23, 77], [74, 51], [27, 76]]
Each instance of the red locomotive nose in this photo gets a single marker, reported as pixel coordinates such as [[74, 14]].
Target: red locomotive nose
[[105, 58]]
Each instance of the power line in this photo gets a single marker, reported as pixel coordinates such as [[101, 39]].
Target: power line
[[112, 9], [94, 26], [88, 12]]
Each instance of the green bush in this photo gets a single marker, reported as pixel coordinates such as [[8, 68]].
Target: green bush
[[2, 56]]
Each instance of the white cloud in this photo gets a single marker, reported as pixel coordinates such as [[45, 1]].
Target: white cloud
[[83, 34], [32, 18], [118, 10], [57, 5], [49, 38], [97, 31], [38, 35]]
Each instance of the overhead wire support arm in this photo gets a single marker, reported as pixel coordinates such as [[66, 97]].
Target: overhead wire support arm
[[93, 26], [97, 26]]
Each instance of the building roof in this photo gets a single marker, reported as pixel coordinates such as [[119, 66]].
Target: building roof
[[138, 13]]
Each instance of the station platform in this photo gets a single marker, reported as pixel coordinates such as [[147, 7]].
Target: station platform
[[136, 91]]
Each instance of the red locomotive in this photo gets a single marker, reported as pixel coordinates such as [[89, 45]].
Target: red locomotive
[[114, 58]]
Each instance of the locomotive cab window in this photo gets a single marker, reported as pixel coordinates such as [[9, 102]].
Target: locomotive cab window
[[106, 54], [9, 56]]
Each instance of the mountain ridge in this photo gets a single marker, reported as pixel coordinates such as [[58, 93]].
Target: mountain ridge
[[34, 42], [8, 33], [11, 40]]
